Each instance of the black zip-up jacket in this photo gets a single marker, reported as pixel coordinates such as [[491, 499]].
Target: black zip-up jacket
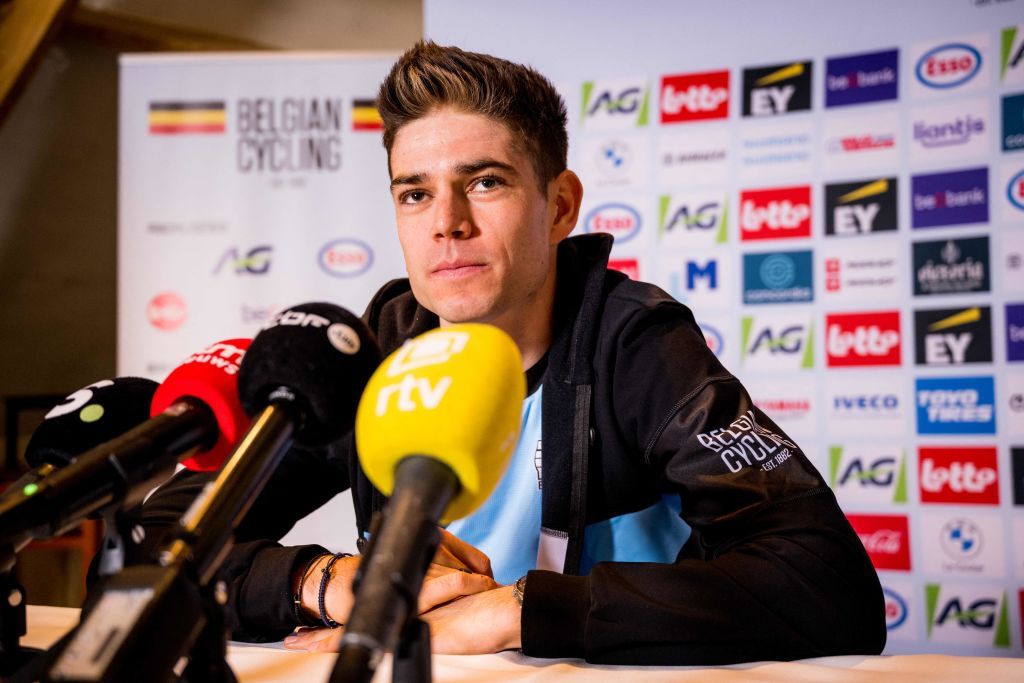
[[635, 407]]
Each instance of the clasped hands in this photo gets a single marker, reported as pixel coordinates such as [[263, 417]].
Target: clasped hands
[[467, 610]]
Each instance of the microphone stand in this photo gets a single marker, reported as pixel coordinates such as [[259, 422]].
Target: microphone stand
[[12, 616]]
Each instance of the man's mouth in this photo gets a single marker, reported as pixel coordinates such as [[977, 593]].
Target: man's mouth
[[456, 269]]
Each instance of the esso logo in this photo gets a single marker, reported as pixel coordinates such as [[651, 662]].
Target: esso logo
[[1015, 190], [895, 609], [345, 258], [619, 220], [948, 66], [713, 338], [166, 311]]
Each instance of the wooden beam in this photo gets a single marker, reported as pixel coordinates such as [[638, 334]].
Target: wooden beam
[[26, 28], [134, 34]]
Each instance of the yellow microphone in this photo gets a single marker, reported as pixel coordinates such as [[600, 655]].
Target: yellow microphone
[[436, 427]]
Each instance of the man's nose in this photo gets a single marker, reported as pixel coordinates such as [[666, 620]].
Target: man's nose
[[452, 219]]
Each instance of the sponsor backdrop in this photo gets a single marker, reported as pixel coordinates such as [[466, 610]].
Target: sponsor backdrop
[[248, 183], [837, 191]]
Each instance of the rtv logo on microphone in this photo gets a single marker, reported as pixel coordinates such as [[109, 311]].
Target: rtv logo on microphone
[[862, 78], [695, 97], [860, 208], [619, 103], [886, 538], [955, 405], [777, 89], [866, 474], [419, 393], [961, 476], [862, 339], [775, 213], [967, 614]]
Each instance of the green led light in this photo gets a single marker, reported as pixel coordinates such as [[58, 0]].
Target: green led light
[[30, 489]]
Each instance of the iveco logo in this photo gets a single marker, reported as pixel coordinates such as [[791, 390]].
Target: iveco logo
[[948, 66], [345, 258], [619, 220]]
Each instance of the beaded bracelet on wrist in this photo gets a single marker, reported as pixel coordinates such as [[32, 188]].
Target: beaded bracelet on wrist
[[325, 577]]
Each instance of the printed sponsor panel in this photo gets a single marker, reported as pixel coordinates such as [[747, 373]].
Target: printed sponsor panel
[[955, 405], [953, 336], [694, 218], [1011, 261], [778, 277], [862, 207], [1015, 332], [695, 97], [703, 280], [866, 142], [949, 198], [622, 219], [1010, 189], [242, 261], [629, 266], [777, 89], [694, 157], [1018, 548], [1012, 118], [619, 162], [775, 213], [1012, 398], [863, 339], [862, 78], [868, 475], [945, 67], [720, 335], [618, 104], [963, 613], [960, 475], [902, 608], [949, 133], [791, 405], [886, 538], [770, 150], [346, 257], [952, 266], [859, 272], [777, 342], [855, 406], [962, 544], [1011, 56]]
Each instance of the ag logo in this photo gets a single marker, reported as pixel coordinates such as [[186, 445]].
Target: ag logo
[[869, 475], [860, 208], [256, 261], [967, 614], [777, 89], [951, 336], [1011, 68], [692, 219], [777, 342], [615, 104]]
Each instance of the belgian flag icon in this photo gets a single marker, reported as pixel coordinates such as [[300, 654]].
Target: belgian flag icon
[[365, 115], [175, 118]]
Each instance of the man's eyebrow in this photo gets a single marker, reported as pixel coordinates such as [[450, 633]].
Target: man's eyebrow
[[468, 168]]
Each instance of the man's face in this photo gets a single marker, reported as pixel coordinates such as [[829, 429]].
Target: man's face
[[475, 229]]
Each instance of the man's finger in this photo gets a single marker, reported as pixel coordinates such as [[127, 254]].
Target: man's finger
[[312, 639], [454, 552], [447, 587]]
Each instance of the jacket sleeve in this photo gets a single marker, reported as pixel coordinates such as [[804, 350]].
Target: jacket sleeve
[[772, 570], [257, 569]]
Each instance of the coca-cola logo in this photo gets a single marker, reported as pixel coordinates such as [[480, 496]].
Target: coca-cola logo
[[886, 538], [959, 475], [862, 338], [695, 97], [775, 213]]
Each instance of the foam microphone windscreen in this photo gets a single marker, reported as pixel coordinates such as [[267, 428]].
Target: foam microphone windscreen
[[320, 352], [454, 394], [90, 416], [210, 376]]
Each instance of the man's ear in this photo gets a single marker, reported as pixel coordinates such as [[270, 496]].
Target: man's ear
[[568, 195]]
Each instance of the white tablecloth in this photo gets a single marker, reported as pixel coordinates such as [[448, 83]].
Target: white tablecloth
[[253, 663]]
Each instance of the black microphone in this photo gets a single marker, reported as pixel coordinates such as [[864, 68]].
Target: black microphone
[[119, 472], [301, 379]]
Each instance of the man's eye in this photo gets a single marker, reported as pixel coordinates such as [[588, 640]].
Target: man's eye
[[413, 197], [486, 183]]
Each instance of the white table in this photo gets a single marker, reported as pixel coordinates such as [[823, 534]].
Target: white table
[[253, 663]]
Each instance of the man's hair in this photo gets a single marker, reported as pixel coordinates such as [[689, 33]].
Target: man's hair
[[430, 76]]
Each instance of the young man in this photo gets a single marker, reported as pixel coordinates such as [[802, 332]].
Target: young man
[[652, 514]]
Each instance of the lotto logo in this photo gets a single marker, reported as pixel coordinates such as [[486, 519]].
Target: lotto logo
[[695, 97], [775, 213], [959, 475], [853, 339]]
